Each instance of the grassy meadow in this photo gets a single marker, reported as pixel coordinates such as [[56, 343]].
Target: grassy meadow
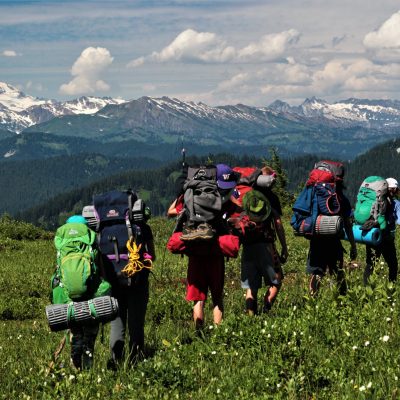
[[330, 347]]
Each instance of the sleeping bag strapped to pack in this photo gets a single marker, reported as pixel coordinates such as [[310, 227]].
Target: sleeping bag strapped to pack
[[202, 203], [319, 198], [77, 276], [371, 203], [119, 216]]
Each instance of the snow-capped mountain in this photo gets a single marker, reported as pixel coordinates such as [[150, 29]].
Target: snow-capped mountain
[[363, 112], [19, 111]]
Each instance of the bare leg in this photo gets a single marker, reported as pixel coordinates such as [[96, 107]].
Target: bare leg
[[251, 302], [198, 314], [217, 315]]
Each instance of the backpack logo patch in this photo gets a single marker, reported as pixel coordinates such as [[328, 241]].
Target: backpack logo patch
[[73, 232], [112, 213]]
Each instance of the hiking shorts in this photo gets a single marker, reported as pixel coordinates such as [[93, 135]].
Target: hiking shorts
[[205, 273], [325, 254], [260, 260]]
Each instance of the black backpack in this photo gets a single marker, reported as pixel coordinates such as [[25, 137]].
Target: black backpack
[[119, 216], [202, 202]]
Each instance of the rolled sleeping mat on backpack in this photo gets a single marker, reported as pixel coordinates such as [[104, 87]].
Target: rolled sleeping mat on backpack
[[64, 316], [372, 237], [89, 214], [328, 225], [265, 180]]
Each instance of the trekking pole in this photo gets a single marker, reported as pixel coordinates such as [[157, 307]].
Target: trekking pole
[[57, 352]]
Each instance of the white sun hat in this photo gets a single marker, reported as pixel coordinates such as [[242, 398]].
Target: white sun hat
[[392, 183]]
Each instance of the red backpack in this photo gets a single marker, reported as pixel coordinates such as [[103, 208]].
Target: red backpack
[[248, 177]]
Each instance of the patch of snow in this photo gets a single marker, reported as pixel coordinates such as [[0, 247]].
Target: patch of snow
[[9, 153]]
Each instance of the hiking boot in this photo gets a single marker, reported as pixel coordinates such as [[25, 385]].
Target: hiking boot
[[202, 232], [112, 365], [205, 232], [267, 307], [188, 232]]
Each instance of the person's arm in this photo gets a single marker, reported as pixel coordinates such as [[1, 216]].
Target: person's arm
[[172, 212], [176, 207], [149, 241], [280, 232], [151, 249]]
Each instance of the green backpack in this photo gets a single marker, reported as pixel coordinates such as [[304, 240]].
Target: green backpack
[[76, 277], [371, 203]]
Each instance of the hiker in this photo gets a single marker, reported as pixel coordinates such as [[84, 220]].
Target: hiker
[[208, 271], [75, 244], [257, 220], [386, 247], [127, 249], [327, 253], [322, 199], [206, 266]]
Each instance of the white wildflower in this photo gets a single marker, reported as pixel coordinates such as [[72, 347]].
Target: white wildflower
[[388, 319], [354, 347], [366, 343], [71, 377], [362, 388], [369, 385], [213, 352], [385, 338], [218, 390], [262, 331], [98, 379]]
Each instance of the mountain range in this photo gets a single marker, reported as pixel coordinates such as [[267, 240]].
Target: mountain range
[[343, 129]]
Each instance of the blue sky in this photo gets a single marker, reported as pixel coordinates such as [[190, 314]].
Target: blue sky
[[218, 52]]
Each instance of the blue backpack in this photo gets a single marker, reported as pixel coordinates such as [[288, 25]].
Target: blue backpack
[[318, 198]]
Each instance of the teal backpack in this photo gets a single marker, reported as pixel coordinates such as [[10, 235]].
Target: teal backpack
[[371, 203], [77, 276]]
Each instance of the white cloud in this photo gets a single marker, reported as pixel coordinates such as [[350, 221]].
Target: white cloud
[[356, 76], [87, 70], [387, 36], [295, 81], [9, 53], [36, 86], [234, 82], [191, 46], [269, 47], [207, 47]]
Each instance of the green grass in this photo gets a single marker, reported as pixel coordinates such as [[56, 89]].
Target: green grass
[[331, 347]]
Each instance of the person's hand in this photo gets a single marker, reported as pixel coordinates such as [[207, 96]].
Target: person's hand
[[353, 253], [284, 256]]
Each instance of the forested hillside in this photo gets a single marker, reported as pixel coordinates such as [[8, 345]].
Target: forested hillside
[[25, 184], [157, 185]]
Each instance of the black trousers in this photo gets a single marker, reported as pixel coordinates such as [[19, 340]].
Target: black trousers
[[387, 249], [132, 304], [83, 339]]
